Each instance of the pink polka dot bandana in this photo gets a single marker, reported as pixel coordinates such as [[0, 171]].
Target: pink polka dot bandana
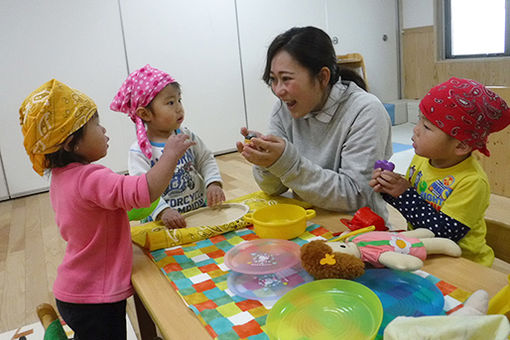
[[138, 90], [466, 110]]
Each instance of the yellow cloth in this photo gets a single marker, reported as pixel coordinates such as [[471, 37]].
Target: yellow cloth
[[48, 116], [154, 235], [500, 303]]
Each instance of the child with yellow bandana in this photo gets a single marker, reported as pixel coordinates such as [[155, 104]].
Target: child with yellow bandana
[[63, 136]]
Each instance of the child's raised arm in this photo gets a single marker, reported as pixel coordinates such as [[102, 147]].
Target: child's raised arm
[[160, 175]]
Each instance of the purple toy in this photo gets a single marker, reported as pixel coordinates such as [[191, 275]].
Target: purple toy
[[384, 165]]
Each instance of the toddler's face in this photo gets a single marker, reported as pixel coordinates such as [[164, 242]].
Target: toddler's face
[[431, 142], [93, 143], [167, 111]]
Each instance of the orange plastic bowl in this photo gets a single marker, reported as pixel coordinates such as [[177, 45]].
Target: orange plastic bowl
[[282, 221]]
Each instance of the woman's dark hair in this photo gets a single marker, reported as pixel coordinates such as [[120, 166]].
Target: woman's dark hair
[[348, 74], [310, 46], [62, 157]]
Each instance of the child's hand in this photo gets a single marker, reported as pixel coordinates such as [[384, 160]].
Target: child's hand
[[172, 219], [388, 182], [373, 182], [215, 194], [161, 173], [177, 145]]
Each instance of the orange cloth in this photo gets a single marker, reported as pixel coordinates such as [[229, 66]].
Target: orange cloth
[[48, 116]]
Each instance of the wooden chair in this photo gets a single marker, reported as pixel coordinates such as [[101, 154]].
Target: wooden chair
[[354, 61], [53, 329]]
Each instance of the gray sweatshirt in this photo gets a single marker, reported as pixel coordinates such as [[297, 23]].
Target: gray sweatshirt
[[330, 154]]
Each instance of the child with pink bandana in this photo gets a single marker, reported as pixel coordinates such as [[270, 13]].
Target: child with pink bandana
[[445, 189], [152, 99]]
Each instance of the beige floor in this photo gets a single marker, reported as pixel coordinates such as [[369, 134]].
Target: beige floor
[[31, 248]]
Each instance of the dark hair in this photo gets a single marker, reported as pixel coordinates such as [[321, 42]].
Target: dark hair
[[61, 157], [310, 46], [348, 74]]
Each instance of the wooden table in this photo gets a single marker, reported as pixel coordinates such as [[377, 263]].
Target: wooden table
[[158, 303]]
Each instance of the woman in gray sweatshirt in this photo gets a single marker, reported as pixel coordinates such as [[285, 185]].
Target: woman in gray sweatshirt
[[325, 133]]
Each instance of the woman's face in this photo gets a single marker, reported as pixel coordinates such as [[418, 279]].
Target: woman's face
[[293, 84]]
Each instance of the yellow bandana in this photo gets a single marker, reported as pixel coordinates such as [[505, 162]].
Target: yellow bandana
[[48, 116]]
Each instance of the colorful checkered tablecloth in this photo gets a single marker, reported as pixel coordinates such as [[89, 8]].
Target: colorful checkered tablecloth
[[198, 274]]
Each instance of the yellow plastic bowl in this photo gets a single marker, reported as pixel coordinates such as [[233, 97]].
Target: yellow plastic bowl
[[283, 221]]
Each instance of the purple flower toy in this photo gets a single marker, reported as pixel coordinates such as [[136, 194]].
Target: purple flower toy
[[384, 165]]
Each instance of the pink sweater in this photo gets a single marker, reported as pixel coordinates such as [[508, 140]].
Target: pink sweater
[[90, 203], [371, 245]]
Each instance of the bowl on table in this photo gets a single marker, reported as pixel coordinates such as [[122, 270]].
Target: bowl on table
[[326, 309], [280, 221], [402, 294]]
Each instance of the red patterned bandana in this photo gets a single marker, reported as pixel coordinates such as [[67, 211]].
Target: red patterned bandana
[[466, 110]]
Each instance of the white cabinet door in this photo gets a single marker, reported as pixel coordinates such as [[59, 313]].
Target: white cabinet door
[[260, 21], [4, 193], [76, 42], [195, 41], [360, 26]]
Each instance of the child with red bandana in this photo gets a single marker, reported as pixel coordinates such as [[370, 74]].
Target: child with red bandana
[[445, 189]]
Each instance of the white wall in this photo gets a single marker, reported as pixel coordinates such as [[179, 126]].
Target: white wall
[[360, 28], [196, 42], [218, 57], [417, 13], [258, 26], [4, 193], [76, 42]]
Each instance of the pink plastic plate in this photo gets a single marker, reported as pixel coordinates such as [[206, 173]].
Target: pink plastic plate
[[267, 286], [262, 256]]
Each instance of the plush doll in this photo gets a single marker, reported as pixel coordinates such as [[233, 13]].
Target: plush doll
[[402, 251]]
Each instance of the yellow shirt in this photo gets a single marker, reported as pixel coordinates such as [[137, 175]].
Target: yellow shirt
[[462, 192]]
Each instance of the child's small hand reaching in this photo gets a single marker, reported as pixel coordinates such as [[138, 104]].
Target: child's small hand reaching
[[172, 219], [177, 145], [161, 173], [215, 194], [388, 182]]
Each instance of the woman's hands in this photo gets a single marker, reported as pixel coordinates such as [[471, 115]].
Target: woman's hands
[[388, 182], [261, 150]]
